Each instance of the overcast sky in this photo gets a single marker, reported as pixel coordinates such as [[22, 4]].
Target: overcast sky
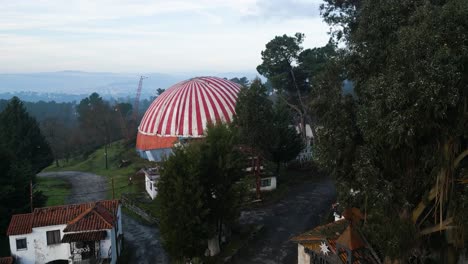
[[149, 36]]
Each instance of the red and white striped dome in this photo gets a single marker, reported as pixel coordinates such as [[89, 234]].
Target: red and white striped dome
[[185, 109]]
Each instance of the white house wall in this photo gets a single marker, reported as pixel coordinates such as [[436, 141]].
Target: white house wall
[[302, 256], [271, 187], [105, 245], [114, 238], [38, 251], [152, 192], [23, 255]]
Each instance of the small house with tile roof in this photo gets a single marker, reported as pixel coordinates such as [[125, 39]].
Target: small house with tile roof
[[77, 233], [152, 177], [338, 242]]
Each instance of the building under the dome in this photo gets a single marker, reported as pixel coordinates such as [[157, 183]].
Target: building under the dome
[[183, 112]]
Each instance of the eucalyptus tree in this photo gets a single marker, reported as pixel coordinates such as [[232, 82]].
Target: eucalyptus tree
[[400, 144]]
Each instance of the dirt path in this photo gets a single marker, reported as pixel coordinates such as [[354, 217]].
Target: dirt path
[[299, 211], [142, 239]]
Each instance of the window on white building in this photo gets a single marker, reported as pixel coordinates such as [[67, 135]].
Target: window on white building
[[265, 182], [21, 244], [53, 237]]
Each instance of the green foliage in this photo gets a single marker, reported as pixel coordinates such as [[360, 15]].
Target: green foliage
[[407, 121], [20, 134], [264, 126], [277, 62], [243, 81], [199, 196], [398, 236], [253, 116], [221, 166], [23, 153], [99, 121], [284, 141], [183, 213]]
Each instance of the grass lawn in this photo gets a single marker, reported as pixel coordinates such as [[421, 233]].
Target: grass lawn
[[95, 163], [55, 189]]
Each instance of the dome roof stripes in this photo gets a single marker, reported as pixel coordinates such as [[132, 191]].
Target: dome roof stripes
[[185, 108]]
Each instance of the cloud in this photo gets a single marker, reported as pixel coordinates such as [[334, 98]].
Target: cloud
[[280, 9], [144, 35]]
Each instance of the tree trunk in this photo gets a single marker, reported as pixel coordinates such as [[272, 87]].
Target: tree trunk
[[57, 163]]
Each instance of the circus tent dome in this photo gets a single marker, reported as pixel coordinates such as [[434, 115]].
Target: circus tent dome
[[183, 111]]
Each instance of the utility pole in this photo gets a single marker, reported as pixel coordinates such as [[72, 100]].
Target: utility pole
[[113, 189], [31, 195], [105, 152]]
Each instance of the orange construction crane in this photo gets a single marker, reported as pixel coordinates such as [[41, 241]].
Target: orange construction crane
[[137, 99]]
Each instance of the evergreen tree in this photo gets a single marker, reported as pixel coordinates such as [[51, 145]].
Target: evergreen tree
[[285, 142], [182, 211], [221, 167], [253, 117], [20, 134], [199, 197], [266, 127], [23, 153]]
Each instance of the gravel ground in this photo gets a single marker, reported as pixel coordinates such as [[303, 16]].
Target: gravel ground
[[299, 211], [143, 240]]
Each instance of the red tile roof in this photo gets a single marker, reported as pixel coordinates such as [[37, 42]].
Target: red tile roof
[[6, 260], [20, 224], [338, 235], [94, 218], [351, 239], [87, 216], [84, 236]]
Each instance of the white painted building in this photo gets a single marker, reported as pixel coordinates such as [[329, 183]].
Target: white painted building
[[151, 179], [79, 233], [267, 183]]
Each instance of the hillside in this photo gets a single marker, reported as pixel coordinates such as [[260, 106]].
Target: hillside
[[95, 163]]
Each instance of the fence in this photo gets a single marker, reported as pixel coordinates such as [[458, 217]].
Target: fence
[[128, 202]]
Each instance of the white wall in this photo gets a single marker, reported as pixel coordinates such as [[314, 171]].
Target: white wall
[[271, 187], [114, 237], [150, 188], [105, 245], [302, 256], [38, 251]]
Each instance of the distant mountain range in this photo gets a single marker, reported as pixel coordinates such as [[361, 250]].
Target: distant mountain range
[[66, 86]]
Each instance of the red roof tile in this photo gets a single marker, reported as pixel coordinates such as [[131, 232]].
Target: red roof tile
[[20, 224], [338, 235], [6, 260], [350, 239], [84, 236], [94, 218], [67, 214]]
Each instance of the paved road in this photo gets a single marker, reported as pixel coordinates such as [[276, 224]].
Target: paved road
[[299, 211], [142, 239]]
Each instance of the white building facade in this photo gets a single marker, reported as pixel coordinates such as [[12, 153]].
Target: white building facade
[[82, 233], [151, 179]]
